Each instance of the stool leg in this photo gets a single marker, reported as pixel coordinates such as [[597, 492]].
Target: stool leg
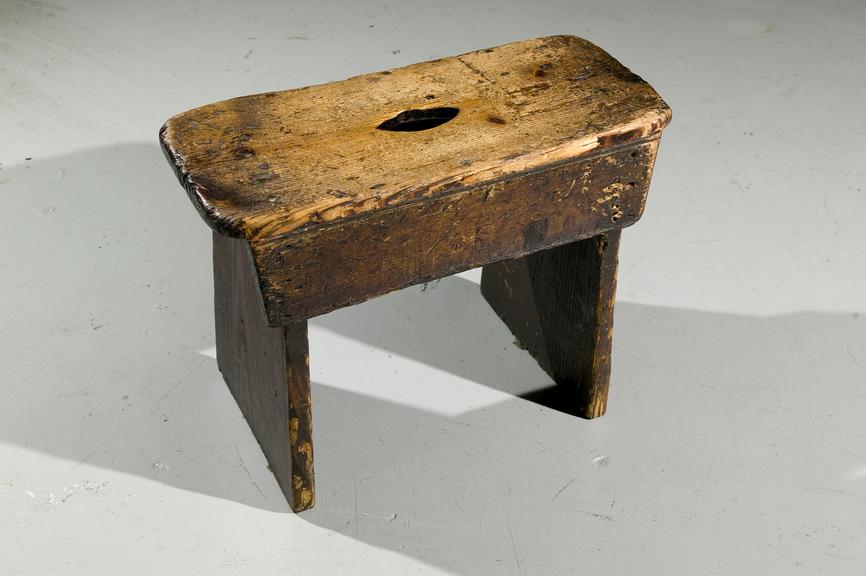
[[303, 491], [559, 304], [267, 370]]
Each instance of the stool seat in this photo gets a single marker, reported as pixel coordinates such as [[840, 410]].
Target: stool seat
[[270, 164], [527, 159]]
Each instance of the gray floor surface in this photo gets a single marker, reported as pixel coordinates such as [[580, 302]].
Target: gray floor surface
[[735, 441]]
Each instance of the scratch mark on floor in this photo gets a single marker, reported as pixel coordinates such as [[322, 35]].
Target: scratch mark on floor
[[355, 518], [393, 517], [596, 515], [561, 490], [513, 545], [244, 466]]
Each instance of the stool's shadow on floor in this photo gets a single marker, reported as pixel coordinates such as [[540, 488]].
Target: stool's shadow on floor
[[104, 348], [705, 426]]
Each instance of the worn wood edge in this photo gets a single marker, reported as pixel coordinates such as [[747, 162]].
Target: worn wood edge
[[646, 127], [303, 485], [274, 309], [195, 191], [593, 399], [340, 211], [467, 187]]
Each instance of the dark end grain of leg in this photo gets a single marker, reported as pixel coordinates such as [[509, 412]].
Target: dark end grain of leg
[[267, 370], [559, 304]]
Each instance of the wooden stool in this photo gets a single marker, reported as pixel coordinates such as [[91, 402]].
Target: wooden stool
[[527, 159]]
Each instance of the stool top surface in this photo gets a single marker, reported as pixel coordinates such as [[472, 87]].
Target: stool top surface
[[271, 164]]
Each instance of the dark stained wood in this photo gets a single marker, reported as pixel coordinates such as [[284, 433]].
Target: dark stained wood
[[303, 275], [559, 304], [266, 369], [527, 158]]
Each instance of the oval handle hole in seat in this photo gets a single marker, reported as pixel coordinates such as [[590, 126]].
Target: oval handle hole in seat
[[421, 119]]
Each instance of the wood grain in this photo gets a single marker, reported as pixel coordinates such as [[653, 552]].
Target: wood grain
[[559, 304], [267, 165], [266, 368], [303, 275]]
